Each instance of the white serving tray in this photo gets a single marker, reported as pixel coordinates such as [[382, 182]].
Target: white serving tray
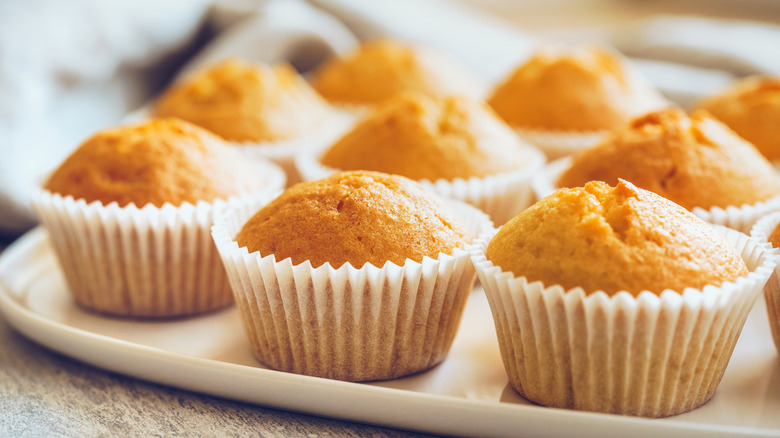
[[468, 394]]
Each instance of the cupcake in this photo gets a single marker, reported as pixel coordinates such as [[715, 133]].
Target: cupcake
[[359, 276], [380, 69], [270, 111], [751, 107], [767, 232], [616, 300], [129, 213], [455, 146], [694, 161], [563, 100]]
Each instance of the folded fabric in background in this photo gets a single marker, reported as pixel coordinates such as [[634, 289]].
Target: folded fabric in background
[[69, 69]]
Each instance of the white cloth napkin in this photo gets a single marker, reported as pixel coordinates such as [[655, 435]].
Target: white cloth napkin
[[68, 69]]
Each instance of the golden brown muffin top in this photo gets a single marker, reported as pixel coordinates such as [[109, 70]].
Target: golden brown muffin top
[[246, 102], [751, 107], [614, 239], [585, 88], [695, 161], [355, 217], [378, 70], [421, 137], [159, 161]]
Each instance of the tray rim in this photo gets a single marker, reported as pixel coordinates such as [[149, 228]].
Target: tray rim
[[359, 402]]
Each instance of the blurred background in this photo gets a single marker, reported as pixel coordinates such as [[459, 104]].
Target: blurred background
[[70, 68]]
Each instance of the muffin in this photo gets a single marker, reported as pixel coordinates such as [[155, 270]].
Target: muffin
[[616, 300], [694, 161], [380, 69], [246, 102], [455, 146], [270, 111], [359, 276], [564, 99], [129, 211], [767, 232], [751, 107]]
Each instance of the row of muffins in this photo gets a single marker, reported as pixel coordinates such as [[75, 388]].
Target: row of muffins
[[364, 276], [295, 352], [423, 112], [459, 146]]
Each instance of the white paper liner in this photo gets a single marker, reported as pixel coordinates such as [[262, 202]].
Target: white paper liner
[[740, 218], [558, 144], [139, 262], [355, 324], [760, 233], [650, 355], [502, 196]]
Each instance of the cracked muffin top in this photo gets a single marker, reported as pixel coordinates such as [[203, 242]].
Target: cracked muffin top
[[421, 137], [380, 69], [584, 88], [614, 239], [751, 107], [246, 102], [695, 161], [159, 161], [356, 218]]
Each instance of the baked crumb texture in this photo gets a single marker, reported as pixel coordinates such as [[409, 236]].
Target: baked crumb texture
[[354, 217], [421, 137], [380, 69], [159, 161], [246, 102], [695, 161], [584, 88], [609, 239], [751, 107]]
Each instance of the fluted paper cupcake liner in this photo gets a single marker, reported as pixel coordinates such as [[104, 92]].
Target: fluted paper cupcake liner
[[356, 324], [740, 218], [558, 144], [760, 233], [650, 355], [138, 262], [502, 196]]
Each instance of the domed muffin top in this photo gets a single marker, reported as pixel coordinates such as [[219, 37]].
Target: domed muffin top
[[614, 239], [422, 137], [355, 217], [751, 107], [380, 69], [159, 161], [246, 102], [584, 88], [695, 161]]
